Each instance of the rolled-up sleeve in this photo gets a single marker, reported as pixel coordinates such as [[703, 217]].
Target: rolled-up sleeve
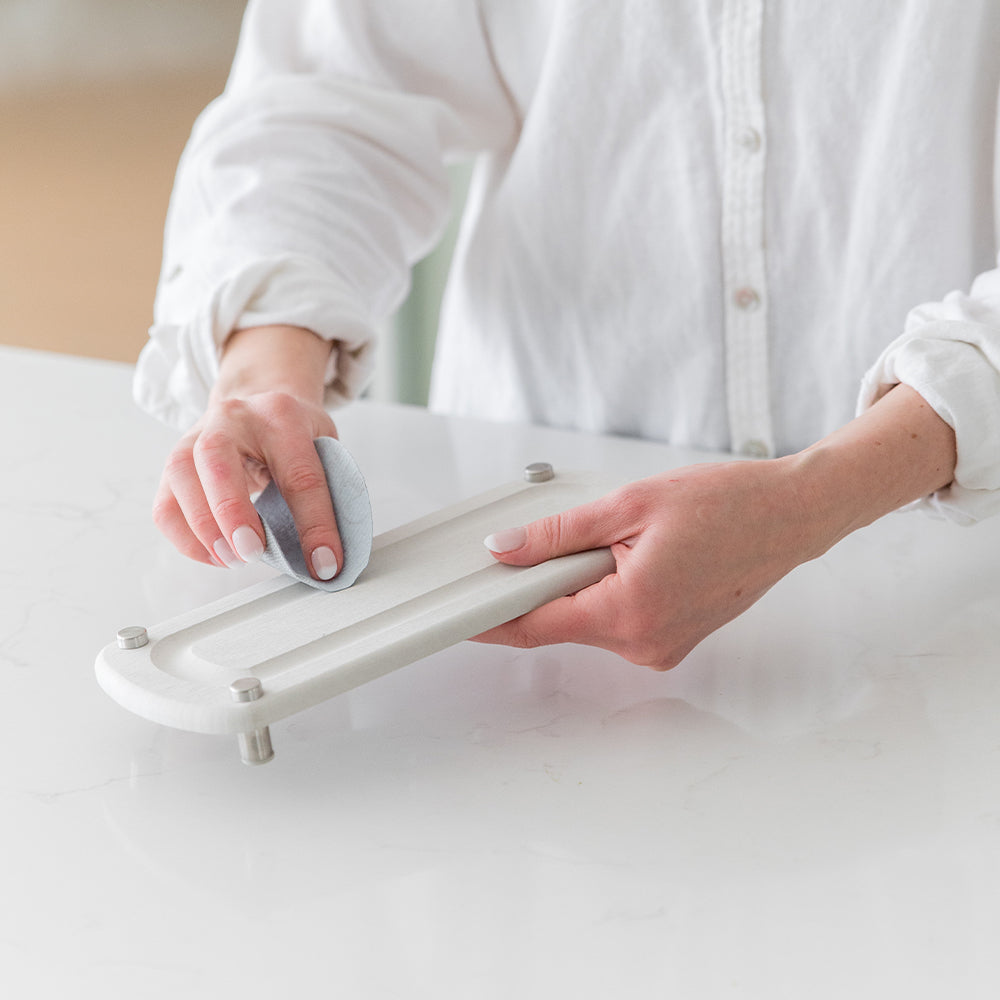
[[310, 187], [949, 352]]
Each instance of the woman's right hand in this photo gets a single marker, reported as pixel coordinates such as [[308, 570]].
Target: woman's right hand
[[262, 418]]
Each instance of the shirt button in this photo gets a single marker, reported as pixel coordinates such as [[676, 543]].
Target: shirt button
[[749, 139], [755, 449], [746, 298]]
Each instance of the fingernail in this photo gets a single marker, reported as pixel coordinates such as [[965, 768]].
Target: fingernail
[[506, 541], [247, 544], [225, 554], [324, 563]]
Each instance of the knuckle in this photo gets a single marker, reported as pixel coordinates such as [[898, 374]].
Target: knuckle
[[180, 463], [517, 634], [230, 410], [662, 665], [229, 509], [650, 654], [553, 530], [301, 477], [657, 652], [204, 525], [212, 442], [212, 456], [640, 640], [278, 407]]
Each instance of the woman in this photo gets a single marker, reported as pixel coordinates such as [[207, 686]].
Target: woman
[[700, 222]]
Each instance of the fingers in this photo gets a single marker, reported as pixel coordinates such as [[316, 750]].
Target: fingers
[[597, 616], [183, 509], [629, 611], [694, 548], [587, 616], [220, 480], [300, 478], [582, 617], [170, 519], [565, 619], [204, 507], [589, 526]]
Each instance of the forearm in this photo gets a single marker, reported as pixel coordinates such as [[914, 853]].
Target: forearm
[[897, 451], [286, 359]]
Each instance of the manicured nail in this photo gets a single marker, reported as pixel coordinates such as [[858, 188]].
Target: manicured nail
[[324, 563], [225, 554], [506, 541], [247, 544]]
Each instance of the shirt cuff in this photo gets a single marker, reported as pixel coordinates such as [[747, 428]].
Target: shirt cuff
[[955, 366], [180, 363]]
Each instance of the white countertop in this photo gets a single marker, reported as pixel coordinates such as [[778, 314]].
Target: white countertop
[[808, 807]]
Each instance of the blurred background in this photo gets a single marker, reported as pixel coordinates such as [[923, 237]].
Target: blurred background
[[97, 98]]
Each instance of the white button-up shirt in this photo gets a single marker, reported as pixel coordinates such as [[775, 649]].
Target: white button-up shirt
[[701, 221]]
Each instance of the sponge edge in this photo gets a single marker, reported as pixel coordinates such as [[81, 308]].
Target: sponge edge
[[353, 510]]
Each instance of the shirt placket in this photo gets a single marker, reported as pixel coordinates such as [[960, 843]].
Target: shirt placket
[[744, 274]]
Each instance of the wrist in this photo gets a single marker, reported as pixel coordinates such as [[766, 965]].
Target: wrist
[[892, 454], [829, 489], [287, 359]]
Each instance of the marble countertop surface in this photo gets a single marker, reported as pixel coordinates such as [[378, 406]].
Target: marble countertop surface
[[809, 806]]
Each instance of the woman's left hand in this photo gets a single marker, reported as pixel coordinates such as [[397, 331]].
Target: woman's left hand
[[694, 548], [697, 546]]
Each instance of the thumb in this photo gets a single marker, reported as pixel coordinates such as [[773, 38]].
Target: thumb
[[589, 526]]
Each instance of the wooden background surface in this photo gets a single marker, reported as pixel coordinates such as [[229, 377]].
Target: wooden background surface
[[96, 102]]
